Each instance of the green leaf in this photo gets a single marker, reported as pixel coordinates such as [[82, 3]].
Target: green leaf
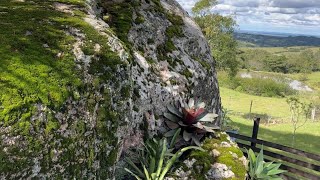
[[174, 110], [146, 173], [140, 173], [160, 164], [173, 140], [170, 133], [259, 168], [275, 172], [171, 117], [152, 164], [137, 177]]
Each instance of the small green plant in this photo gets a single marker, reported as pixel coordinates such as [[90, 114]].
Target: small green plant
[[155, 159], [191, 119], [259, 169]]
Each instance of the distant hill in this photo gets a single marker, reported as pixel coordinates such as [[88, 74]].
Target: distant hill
[[254, 40]]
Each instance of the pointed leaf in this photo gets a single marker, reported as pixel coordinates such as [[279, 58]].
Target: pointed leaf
[[140, 173], [209, 117], [187, 136], [182, 124], [196, 141], [163, 151], [173, 140], [146, 173], [170, 133], [137, 177], [209, 129], [191, 103], [172, 125], [171, 117], [174, 110], [198, 125], [201, 105]]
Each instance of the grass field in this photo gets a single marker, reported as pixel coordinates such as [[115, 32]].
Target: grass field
[[307, 137], [283, 50]]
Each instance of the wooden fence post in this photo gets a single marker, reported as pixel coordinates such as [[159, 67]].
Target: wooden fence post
[[255, 132]]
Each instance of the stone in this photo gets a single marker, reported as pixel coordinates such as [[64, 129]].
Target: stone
[[219, 171]]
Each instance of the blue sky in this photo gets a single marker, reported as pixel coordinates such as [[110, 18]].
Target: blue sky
[[287, 16]]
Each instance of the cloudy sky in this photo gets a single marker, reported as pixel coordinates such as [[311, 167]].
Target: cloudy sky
[[290, 16]]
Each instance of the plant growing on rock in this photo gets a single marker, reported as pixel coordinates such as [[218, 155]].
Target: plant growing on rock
[[191, 119], [155, 159], [258, 169]]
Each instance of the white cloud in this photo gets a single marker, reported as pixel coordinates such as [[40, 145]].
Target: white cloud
[[298, 13]]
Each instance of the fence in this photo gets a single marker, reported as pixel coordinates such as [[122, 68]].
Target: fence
[[298, 163]]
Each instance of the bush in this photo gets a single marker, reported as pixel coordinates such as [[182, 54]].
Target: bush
[[256, 86]]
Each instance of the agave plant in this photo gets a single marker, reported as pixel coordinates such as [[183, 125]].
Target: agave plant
[[157, 159], [192, 119], [259, 169]]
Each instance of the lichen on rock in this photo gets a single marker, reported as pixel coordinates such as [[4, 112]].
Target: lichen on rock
[[79, 77], [222, 159]]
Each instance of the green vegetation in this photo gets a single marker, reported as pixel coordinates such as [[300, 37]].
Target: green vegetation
[[259, 169], [275, 125], [219, 32], [267, 87], [277, 59], [38, 67], [276, 41]]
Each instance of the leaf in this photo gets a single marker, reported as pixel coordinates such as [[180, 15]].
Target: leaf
[[209, 117], [275, 172], [171, 117], [140, 173], [172, 125], [201, 105], [196, 141], [174, 110], [163, 151], [198, 125], [137, 177], [259, 168], [146, 173], [182, 124], [173, 140], [174, 158], [209, 129], [170, 133], [191, 103], [152, 164], [187, 136]]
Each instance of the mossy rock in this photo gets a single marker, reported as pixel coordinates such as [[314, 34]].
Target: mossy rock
[[222, 159]]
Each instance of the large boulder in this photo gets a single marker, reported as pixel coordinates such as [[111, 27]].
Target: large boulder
[[81, 81]]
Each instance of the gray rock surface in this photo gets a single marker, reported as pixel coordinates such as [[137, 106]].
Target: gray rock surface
[[96, 124]]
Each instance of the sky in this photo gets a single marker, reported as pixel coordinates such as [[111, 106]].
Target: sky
[[283, 16]]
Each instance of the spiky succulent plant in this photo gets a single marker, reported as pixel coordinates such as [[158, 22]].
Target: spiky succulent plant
[[193, 120]]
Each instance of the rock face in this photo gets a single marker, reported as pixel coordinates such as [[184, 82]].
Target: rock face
[[82, 81]]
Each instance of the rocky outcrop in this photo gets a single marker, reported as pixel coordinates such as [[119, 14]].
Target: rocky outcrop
[[83, 81]]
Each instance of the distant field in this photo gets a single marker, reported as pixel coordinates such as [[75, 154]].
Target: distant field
[[288, 51], [307, 137]]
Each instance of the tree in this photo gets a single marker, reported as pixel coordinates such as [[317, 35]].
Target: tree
[[299, 114], [219, 31]]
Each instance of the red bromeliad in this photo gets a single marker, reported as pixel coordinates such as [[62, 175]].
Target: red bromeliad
[[191, 119]]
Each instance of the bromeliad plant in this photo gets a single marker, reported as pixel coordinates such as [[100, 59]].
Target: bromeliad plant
[[258, 169], [191, 119], [156, 159]]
